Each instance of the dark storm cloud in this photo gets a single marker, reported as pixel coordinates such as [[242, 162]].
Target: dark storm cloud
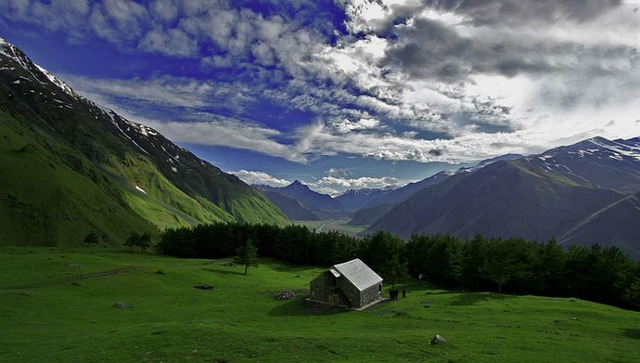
[[429, 48], [517, 12], [501, 12]]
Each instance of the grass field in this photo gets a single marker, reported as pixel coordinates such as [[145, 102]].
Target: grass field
[[56, 305], [333, 225]]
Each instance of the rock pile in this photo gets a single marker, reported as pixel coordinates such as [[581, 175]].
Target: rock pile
[[203, 286], [121, 305], [437, 339], [285, 295]]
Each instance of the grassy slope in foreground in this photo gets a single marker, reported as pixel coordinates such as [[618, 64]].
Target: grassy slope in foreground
[[239, 321]]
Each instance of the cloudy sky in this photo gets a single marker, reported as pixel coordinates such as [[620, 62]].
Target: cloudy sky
[[347, 93]]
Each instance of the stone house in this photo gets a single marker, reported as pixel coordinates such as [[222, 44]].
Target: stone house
[[351, 284]]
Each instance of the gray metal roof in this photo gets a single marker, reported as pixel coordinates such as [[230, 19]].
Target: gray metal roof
[[360, 275]]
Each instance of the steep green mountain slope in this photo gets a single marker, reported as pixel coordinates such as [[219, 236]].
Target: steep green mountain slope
[[68, 166]]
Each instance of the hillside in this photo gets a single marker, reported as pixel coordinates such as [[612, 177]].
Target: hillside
[[70, 166], [610, 225], [376, 209], [323, 205], [292, 208], [61, 308], [572, 193], [355, 199]]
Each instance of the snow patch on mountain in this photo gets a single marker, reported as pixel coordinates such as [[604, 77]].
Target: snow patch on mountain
[[9, 50], [58, 82], [111, 114], [140, 189]]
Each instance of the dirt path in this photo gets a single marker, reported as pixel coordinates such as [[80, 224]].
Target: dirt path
[[70, 279]]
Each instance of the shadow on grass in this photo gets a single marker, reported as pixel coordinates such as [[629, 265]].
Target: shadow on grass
[[443, 292], [472, 298], [631, 333], [226, 271], [301, 307], [291, 268]]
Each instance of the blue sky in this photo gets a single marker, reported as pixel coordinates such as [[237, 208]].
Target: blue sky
[[347, 93]]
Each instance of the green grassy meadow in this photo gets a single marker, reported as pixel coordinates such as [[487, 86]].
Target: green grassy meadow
[[341, 226], [56, 305]]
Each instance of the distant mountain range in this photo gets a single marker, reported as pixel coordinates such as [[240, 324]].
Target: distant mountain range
[[584, 193], [375, 209], [364, 206], [321, 205], [69, 167], [580, 194]]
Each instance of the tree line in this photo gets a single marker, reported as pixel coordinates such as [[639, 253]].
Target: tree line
[[513, 265]]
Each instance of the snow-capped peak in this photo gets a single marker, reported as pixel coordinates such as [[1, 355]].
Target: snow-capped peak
[[6, 49], [9, 50], [621, 148], [58, 82], [599, 148]]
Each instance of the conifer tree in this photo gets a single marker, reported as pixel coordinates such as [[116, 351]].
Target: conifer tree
[[91, 238], [247, 255]]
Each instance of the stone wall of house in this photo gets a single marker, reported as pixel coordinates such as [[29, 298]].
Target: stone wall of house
[[352, 292], [370, 295], [319, 288]]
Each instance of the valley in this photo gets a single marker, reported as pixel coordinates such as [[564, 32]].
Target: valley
[[256, 181], [341, 226]]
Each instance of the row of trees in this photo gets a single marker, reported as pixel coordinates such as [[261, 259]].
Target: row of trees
[[141, 241], [295, 244], [602, 274], [596, 273]]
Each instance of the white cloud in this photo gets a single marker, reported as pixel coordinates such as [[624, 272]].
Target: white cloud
[[260, 178], [119, 21], [346, 126], [455, 82], [172, 42], [230, 133], [164, 91], [360, 183], [318, 139], [167, 10], [338, 173]]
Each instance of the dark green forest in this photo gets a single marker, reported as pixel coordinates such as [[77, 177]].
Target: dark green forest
[[514, 266]]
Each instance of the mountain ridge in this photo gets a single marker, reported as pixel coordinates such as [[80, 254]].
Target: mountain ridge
[[322, 205], [565, 193], [141, 176]]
